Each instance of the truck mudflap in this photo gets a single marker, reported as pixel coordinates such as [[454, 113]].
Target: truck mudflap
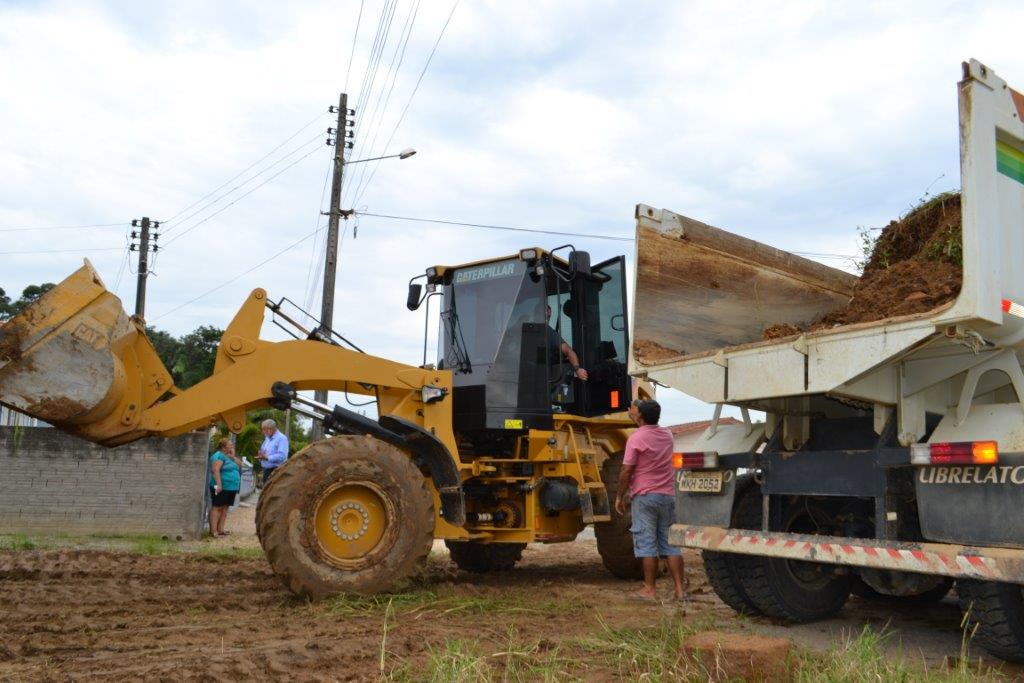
[[957, 561]]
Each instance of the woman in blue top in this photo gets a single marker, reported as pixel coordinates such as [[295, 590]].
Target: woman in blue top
[[225, 481]]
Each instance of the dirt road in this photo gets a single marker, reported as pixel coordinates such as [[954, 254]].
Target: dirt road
[[216, 614]]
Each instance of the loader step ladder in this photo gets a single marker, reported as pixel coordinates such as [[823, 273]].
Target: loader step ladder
[[594, 503]]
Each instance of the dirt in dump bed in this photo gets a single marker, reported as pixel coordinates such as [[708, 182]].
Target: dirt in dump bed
[[914, 267], [649, 352], [780, 330]]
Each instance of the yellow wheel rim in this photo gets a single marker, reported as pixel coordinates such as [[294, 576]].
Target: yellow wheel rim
[[351, 521]]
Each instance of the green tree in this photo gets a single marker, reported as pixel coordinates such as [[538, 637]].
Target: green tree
[[196, 356], [5, 305], [9, 309], [167, 347], [29, 295], [248, 441]]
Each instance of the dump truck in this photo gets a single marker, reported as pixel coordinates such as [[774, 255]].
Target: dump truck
[[497, 443], [890, 462]]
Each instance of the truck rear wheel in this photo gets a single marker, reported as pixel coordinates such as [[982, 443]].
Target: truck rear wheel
[[795, 590], [926, 597], [481, 558], [723, 569], [997, 611], [346, 515], [614, 539]]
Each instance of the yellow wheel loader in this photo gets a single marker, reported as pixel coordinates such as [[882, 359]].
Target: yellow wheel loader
[[497, 444]]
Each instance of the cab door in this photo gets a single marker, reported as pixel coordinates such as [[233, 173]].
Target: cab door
[[603, 328]]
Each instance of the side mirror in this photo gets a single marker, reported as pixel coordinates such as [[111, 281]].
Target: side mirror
[[580, 263], [412, 302]]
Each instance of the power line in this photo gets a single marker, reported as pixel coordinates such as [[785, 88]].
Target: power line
[[541, 231], [355, 37], [26, 228], [242, 184], [370, 74], [399, 55], [415, 89], [121, 269], [61, 251], [238, 199], [239, 276], [312, 279], [229, 180], [544, 231]]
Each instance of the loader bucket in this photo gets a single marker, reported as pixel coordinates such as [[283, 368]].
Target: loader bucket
[[75, 359]]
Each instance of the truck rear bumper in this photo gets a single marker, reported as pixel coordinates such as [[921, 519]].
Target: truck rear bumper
[[990, 564]]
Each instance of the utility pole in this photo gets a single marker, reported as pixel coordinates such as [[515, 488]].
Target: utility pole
[[342, 141], [143, 271]]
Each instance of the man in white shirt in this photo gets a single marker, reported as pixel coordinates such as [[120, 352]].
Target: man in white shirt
[[274, 450]]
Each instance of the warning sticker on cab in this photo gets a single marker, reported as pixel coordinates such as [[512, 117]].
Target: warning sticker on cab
[[513, 424]]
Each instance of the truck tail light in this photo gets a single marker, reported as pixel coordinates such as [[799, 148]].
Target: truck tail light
[[955, 453], [701, 460]]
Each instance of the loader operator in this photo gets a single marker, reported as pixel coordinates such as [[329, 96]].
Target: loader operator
[[557, 345], [274, 450]]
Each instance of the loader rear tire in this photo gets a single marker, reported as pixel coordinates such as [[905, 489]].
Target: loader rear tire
[[346, 515], [481, 558], [724, 569], [614, 539], [795, 590], [997, 611]]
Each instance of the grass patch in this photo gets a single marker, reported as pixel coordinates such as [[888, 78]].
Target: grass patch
[[862, 658], [216, 554], [516, 660], [424, 601], [650, 653], [18, 542], [363, 605], [152, 545]]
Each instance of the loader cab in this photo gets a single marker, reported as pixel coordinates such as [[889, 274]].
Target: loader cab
[[504, 349]]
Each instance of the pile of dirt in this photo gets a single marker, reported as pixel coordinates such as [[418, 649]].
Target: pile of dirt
[[915, 266], [780, 330], [649, 352]]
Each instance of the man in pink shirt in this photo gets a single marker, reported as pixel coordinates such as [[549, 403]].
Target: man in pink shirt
[[649, 478]]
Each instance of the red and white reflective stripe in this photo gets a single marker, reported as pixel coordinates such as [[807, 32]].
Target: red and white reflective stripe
[[1013, 308], [929, 558]]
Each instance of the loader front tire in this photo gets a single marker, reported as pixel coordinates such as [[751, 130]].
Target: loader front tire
[[481, 558], [346, 514], [614, 539]]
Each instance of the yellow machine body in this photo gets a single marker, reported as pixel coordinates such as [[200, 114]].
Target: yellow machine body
[[76, 360]]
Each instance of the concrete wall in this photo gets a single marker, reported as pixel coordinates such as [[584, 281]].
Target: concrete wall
[[52, 483]]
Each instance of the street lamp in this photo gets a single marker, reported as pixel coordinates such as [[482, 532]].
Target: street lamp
[[404, 154]]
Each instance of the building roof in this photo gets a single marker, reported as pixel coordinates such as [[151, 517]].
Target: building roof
[[697, 427]]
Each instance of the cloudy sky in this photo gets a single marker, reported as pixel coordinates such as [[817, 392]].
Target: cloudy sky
[[791, 123]]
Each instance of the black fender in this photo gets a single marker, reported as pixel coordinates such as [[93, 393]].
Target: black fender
[[429, 451]]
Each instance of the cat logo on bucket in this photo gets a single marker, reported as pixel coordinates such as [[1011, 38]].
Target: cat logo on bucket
[[1003, 474]]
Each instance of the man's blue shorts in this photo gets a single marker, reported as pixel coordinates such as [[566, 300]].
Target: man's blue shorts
[[653, 514]]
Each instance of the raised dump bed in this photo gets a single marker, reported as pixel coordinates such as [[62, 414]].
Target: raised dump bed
[[704, 297]]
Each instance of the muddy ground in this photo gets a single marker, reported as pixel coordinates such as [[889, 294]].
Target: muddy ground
[[213, 611]]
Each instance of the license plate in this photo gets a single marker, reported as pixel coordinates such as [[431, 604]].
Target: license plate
[[701, 482]]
